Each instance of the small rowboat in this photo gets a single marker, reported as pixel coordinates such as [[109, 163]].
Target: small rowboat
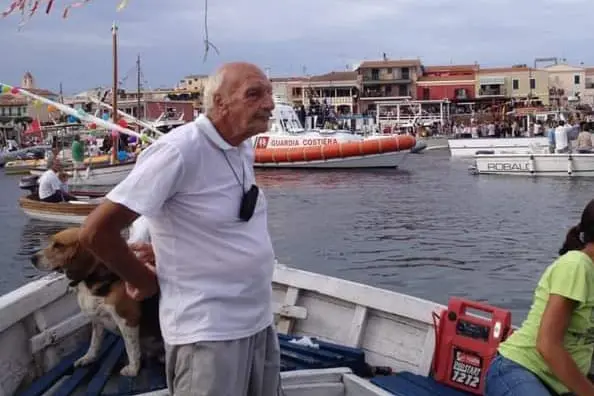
[[367, 153], [73, 212]]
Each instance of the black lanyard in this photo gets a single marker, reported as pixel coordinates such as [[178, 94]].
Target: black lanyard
[[241, 181]]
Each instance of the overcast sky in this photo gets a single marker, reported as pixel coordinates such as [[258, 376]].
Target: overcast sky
[[286, 36]]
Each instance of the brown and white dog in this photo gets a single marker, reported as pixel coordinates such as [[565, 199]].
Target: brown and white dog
[[102, 296]]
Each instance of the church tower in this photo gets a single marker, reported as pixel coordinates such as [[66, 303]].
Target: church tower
[[28, 81]]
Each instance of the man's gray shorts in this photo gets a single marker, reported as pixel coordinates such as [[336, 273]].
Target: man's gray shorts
[[245, 367]]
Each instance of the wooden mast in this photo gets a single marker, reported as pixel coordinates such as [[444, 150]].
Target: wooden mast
[[138, 92], [114, 94]]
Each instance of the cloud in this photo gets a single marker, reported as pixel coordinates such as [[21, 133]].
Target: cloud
[[288, 36]]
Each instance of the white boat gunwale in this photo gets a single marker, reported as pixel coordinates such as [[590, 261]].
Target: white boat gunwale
[[467, 147]]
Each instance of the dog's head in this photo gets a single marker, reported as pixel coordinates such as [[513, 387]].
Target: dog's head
[[65, 254]]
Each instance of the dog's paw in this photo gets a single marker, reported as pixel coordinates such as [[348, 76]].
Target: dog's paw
[[130, 370], [85, 360]]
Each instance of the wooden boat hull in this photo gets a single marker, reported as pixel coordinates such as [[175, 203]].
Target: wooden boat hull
[[549, 165], [96, 175], [520, 145], [376, 152], [22, 167], [56, 212], [95, 162]]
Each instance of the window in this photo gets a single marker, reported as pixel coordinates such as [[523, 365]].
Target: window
[[460, 93], [375, 74], [389, 70], [426, 94], [532, 83], [405, 72], [576, 79], [515, 84], [403, 90]]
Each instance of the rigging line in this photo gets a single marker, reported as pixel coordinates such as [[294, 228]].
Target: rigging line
[[207, 43]]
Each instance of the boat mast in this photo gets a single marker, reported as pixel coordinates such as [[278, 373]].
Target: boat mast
[[138, 105], [114, 93]]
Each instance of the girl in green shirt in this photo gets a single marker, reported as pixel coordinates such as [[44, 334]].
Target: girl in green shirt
[[551, 353]]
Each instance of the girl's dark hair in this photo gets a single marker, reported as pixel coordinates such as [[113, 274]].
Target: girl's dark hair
[[578, 236]]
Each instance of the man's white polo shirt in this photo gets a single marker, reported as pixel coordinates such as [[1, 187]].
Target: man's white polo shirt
[[214, 270]]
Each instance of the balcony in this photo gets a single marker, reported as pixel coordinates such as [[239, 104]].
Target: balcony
[[386, 79], [379, 94], [497, 91], [556, 92]]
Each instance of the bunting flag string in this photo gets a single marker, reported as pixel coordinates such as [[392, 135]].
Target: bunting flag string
[[33, 6], [79, 114]]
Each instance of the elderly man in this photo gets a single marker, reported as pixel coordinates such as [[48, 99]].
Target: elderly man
[[51, 185], [208, 226]]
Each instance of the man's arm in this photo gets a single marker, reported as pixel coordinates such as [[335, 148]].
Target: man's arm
[[155, 178], [102, 234]]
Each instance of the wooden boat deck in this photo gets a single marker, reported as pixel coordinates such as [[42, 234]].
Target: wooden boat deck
[[102, 379]]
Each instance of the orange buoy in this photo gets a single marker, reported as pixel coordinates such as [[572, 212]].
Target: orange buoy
[[335, 150]]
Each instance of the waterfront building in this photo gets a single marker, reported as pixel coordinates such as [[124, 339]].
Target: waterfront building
[[384, 81], [518, 83], [338, 90], [455, 83], [567, 84]]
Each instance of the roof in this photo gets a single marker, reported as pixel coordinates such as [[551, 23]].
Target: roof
[[563, 67], [197, 76], [336, 76], [12, 100], [287, 79], [41, 92], [390, 63], [446, 78], [433, 69], [506, 69]]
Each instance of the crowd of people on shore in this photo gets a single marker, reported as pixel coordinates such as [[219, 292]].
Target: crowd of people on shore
[[560, 133]]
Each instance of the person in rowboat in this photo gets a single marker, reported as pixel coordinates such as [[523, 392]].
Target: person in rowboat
[[213, 253], [51, 184], [551, 353]]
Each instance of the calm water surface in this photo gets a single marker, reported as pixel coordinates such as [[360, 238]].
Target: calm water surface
[[428, 229]]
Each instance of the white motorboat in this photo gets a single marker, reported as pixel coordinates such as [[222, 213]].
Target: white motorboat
[[288, 145], [558, 165], [468, 147], [352, 327]]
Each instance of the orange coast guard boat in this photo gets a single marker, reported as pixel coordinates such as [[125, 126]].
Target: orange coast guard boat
[[364, 153], [288, 145]]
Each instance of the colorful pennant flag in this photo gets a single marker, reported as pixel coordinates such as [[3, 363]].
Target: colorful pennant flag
[[33, 5]]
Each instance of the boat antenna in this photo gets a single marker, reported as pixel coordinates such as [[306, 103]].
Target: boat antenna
[[207, 43]]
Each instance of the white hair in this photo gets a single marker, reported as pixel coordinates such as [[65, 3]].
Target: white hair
[[211, 87]]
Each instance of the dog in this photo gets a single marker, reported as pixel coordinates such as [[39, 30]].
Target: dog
[[102, 296]]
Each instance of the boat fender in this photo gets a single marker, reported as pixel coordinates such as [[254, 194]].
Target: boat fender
[[531, 166], [465, 343], [485, 152]]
